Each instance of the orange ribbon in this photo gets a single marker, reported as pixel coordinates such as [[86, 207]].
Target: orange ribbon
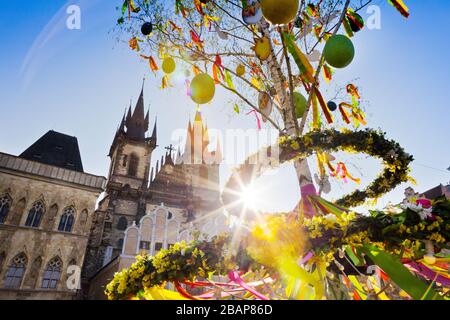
[[342, 172]]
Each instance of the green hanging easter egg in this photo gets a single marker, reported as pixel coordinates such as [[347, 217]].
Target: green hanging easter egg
[[339, 51], [300, 104]]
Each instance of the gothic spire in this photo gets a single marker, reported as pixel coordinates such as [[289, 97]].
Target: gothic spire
[[122, 124], [129, 114], [218, 152], [198, 116], [147, 119], [154, 130], [137, 123], [169, 160], [179, 159]]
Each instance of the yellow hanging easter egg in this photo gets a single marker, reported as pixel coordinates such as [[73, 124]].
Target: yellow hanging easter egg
[[168, 65], [203, 88], [279, 11], [262, 48], [240, 70]]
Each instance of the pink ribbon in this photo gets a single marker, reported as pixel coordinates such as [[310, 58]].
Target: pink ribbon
[[258, 120], [235, 277], [306, 258], [423, 270], [188, 88]]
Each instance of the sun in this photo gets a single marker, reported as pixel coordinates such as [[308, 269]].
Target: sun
[[249, 197]]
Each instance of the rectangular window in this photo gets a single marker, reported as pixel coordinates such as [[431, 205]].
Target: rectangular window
[[158, 246], [144, 245]]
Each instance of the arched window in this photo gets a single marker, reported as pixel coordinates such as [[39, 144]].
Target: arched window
[[5, 204], [133, 165], [67, 219], [52, 274], [122, 224], [35, 215], [15, 272]]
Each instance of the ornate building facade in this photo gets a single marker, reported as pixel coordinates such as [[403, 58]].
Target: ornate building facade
[[46, 205]]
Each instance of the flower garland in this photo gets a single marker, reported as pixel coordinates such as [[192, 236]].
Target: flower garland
[[275, 244], [180, 262], [371, 142]]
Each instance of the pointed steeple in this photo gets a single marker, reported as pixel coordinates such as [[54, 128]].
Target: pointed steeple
[[137, 123], [179, 159], [147, 119], [154, 137], [128, 114], [198, 116], [187, 155], [122, 124], [190, 129], [206, 136], [197, 140], [218, 153], [169, 160], [138, 113]]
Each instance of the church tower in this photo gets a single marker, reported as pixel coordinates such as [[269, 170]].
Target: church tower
[[126, 193], [170, 201], [131, 150], [201, 167]]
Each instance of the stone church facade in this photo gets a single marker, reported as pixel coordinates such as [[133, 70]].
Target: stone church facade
[[54, 228]]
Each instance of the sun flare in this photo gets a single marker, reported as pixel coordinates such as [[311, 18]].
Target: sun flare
[[249, 197]]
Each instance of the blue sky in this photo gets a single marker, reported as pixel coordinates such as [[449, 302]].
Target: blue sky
[[80, 81]]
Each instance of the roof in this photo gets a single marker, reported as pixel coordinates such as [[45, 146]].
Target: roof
[[56, 149], [434, 193]]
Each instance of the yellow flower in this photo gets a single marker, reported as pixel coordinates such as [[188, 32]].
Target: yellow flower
[[295, 145], [437, 238]]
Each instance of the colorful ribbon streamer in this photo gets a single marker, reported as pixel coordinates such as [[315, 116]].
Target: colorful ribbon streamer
[[153, 66], [324, 106], [258, 120], [236, 278], [400, 6], [342, 172]]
